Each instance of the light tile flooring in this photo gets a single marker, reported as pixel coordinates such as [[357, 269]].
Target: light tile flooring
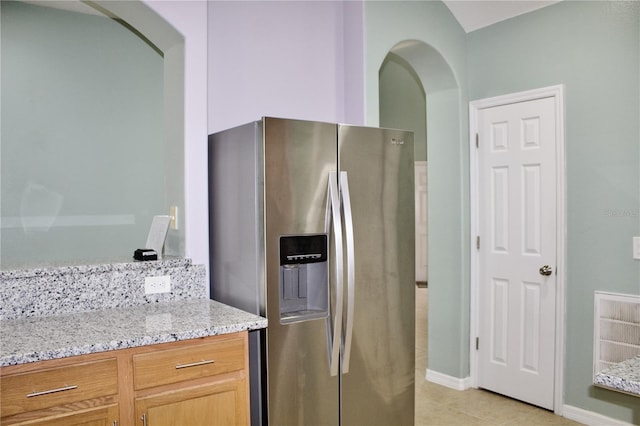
[[439, 405]]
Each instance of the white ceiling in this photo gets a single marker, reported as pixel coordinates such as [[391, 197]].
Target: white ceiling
[[471, 14], [475, 14]]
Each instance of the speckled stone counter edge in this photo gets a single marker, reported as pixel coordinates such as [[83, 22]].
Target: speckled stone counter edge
[[623, 377], [67, 289], [35, 339], [125, 344]]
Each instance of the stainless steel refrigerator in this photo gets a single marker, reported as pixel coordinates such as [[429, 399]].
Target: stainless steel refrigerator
[[312, 226]]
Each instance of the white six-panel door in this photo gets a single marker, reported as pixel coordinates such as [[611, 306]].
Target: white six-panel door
[[517, 229]]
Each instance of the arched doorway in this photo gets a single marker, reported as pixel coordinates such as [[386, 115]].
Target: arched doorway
[[418, 91], [403, 105]]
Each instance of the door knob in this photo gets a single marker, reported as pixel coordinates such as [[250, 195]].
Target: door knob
[[545, 270]]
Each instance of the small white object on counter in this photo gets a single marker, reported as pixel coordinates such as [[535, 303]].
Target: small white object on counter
[[158, 233]]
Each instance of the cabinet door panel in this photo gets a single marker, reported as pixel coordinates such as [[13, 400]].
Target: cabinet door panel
[[222, 404], [99, 416], [215, 409]]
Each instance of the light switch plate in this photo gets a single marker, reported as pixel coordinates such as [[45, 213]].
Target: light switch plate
[[636, 248], [173, 214]]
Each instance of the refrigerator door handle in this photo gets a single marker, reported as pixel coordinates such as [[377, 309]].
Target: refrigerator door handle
[[333, 220], [351, 270]]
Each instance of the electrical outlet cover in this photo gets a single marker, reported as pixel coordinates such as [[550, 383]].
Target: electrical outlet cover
[[154, 285]]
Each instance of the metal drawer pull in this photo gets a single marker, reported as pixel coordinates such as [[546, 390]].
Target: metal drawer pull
[[47, 392], [195, 364]]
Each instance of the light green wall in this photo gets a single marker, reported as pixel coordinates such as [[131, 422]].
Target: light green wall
[[386, 24], [593, 48], [402, 102], [82, 114]]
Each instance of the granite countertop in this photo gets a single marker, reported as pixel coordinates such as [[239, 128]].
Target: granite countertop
[[40, 338], [623, 377]]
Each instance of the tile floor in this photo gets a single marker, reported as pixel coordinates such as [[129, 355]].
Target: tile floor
[[441, 406]]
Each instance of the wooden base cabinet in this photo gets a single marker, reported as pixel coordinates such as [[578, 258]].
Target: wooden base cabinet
[[75, 391], [206, 385], [221, 403], [202, 381]]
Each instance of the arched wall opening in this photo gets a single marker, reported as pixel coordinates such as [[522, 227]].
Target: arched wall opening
[[94, 90], [437, 129], [144, 20]]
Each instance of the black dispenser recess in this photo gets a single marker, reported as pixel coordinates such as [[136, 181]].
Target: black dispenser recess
[[304, 278]]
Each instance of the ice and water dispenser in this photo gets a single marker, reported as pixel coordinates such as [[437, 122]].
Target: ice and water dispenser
[[304, 278]]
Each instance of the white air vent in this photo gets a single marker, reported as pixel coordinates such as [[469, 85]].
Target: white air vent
[[617, 329]]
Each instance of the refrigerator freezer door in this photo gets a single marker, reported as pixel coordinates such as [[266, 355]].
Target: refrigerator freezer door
[[379, 386], [298, 156]]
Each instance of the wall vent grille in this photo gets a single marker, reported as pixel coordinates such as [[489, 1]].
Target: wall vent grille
[[617, 329]]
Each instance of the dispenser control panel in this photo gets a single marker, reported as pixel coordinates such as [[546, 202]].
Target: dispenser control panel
[[303, 248], [304, 278]]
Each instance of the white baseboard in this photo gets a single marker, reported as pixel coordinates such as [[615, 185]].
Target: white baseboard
[[590, 418], [448, 381]]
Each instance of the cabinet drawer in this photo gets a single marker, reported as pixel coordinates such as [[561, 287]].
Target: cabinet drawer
[[168, 366], [58, 386]]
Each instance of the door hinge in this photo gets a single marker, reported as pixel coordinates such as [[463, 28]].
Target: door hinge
[[477, 141], [478, 242], [477, 343]]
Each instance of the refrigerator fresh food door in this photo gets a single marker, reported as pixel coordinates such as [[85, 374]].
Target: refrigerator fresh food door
[[378, 388], [299, 157]]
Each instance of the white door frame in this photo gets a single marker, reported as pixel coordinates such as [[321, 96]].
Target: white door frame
[[556, 92]]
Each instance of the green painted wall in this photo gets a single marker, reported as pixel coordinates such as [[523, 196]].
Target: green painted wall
[[81, 139], [402, 102], [386, 24], [593, 48]]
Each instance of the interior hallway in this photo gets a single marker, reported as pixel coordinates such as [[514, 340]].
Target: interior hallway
[[439, 405]]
